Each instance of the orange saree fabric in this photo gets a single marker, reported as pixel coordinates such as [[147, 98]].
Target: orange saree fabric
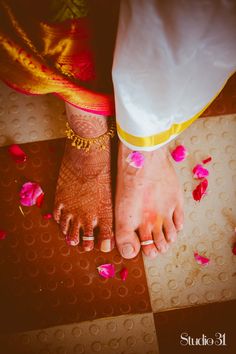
[[60, 47]]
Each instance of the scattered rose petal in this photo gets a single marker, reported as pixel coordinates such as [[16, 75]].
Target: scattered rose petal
[[201, 259], [200, 190], [47, 216], [124, 274], [73, 242], [234, 249], [30, 194], [17, 153], [3, 234], [106, 270], [135, 159], [39, 200], [200, 172], [179, 153], [208, 159]]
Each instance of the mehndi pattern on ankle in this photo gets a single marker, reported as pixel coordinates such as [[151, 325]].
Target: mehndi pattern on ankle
[[85, 143]]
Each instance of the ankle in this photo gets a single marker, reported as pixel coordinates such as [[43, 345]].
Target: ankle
[[161, 153], [86, 125]]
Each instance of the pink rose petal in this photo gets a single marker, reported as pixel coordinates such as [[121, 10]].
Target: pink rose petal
[[31, 194], [39, 200], [3, 234], [179, 153], [208, 159], [201, 260], [106, 270], [234, 249], [135, 159], [200, 190], [200, 172], [17, 153], [124, 274], [47, 216]]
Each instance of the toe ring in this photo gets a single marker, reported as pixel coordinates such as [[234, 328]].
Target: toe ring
[[147, 242], [88, 238]]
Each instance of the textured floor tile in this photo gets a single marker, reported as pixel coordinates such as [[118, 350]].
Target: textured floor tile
[[43, 281], [175, 279], [32, 118], [25, 118], [197, 321], [130, 334]]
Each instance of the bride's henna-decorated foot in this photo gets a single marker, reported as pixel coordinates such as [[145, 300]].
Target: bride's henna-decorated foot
[[149, 204], [83, 196]]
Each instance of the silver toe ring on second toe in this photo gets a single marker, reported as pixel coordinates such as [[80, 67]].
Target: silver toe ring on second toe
[[147, 242], [88, 238]]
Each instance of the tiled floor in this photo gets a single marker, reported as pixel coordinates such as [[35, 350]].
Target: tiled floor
[[47, 282], [52, 299], [123, 334], [175, 279]]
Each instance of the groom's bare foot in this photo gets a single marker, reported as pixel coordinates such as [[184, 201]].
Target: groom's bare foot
[[149, 204], [83, 196]]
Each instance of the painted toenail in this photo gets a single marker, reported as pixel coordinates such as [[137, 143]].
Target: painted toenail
[[127, 250], [105, 246], [88, 248], [72, 242]]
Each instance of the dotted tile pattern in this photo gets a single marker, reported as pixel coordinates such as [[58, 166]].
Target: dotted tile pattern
[[45, 282], [130, 334], [175, 279], [26, 119]]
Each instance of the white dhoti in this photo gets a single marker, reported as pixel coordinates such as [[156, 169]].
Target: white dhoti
[[171, 60]]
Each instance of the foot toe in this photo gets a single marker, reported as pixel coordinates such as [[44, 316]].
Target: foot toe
[[106, 241], [169, 230], [149, 249], [160, 241], [178, 217], [88, 237], [128, 244], [65, 223], [73, 236], [147, 243], [57, 212]]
